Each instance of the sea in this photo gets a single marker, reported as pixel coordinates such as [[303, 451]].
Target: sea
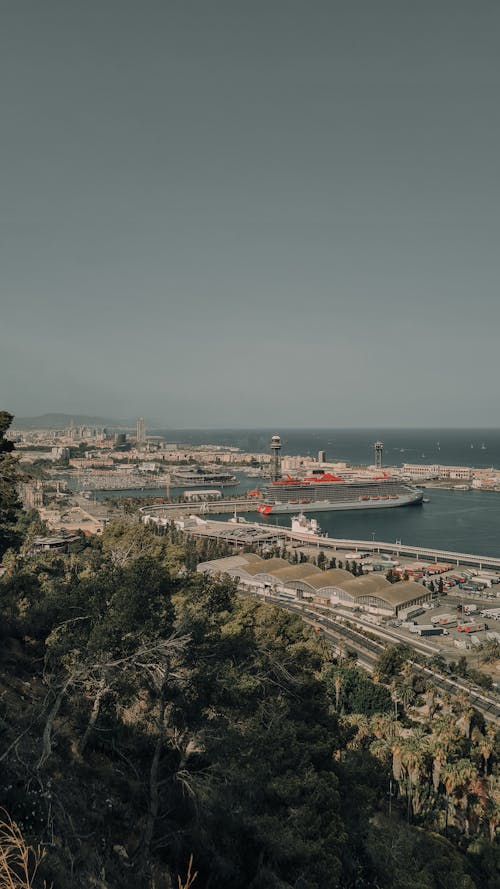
[[457, 447], [463, 521]]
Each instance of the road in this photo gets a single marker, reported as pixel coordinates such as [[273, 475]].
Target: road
[[368, 651]]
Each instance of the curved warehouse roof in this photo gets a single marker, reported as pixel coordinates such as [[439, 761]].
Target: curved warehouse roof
[[291, 572], [265, 566], [252, 558], [368, 585], [404, 592], [335, 577]]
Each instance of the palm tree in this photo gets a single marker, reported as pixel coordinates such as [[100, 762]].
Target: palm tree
[[493, 806], [384, 726], [466, 791], [485, 744], [431, 701], [415, 761], [450, 777], [464, 710], [338, 683], [363, 730], [460, 779]]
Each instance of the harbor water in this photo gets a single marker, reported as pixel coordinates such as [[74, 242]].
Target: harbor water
[[465, 521]]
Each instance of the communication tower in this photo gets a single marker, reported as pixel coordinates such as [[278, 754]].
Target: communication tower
[[275, 458], [379, 450]]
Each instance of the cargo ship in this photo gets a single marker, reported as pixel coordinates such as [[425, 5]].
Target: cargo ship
[[327, 492]]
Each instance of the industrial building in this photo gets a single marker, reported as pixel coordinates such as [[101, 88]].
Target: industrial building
[[372, 593]]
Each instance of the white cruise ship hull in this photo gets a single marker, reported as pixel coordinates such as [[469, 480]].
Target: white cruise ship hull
[[413, 499]]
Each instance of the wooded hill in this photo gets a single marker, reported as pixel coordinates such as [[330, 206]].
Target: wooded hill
[[149, 714]]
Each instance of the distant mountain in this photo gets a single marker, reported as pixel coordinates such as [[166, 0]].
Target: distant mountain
[[63, 421]]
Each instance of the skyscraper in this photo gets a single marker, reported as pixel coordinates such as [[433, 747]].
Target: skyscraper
[[141, 431]]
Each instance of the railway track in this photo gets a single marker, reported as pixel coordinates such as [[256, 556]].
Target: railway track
[[368, 651]]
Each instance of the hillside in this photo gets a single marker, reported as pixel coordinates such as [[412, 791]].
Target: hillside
[[148, 715], [151, 717]]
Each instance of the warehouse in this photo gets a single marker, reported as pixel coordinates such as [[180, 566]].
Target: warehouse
[[334, 587]]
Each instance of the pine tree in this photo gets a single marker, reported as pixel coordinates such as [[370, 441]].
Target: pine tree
[[10, 506]]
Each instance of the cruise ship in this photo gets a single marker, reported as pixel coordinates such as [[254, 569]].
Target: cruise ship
[[194, 476], [327, 492]]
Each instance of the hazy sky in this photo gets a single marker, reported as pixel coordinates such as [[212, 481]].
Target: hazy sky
[[252, 213]]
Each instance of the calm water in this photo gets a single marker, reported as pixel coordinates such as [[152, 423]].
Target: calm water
[[476, 447], [466, 521]]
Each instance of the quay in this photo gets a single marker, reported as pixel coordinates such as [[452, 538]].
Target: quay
[[223, 530]]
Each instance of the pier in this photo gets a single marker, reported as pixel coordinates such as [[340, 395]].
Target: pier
[[396, 548]]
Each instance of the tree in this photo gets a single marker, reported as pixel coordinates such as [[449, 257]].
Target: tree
[[390, 662], [10, 506]]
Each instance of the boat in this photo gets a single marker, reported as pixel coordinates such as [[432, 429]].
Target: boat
[[326, 493], [237, 520], [302, 525], [193, 476]]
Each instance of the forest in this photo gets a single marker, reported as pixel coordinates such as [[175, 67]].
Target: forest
[[159, 730]]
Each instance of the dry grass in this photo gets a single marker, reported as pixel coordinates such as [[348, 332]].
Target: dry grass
[[19, 863], [190, 877]]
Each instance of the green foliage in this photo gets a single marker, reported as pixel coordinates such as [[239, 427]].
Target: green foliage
[[321, 560], [407, 858], [391, 660], [10, 506], [150, 709], [352, 691]]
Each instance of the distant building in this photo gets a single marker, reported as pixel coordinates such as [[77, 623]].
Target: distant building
[[31, 494], [435, 470], [60, 453], [321, 456], [141, 431]]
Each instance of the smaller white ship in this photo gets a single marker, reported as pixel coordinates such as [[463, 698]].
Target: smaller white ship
[[237, 520], [302, 525]]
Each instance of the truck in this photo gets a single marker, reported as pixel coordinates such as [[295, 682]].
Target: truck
[[469, 608], [481, 578], [441, 618], [470, 627], [432, 631]]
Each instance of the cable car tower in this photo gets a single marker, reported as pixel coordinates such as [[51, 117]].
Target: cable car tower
[[275, 458]]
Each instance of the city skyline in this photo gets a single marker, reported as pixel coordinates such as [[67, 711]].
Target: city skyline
[[269, 215]]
